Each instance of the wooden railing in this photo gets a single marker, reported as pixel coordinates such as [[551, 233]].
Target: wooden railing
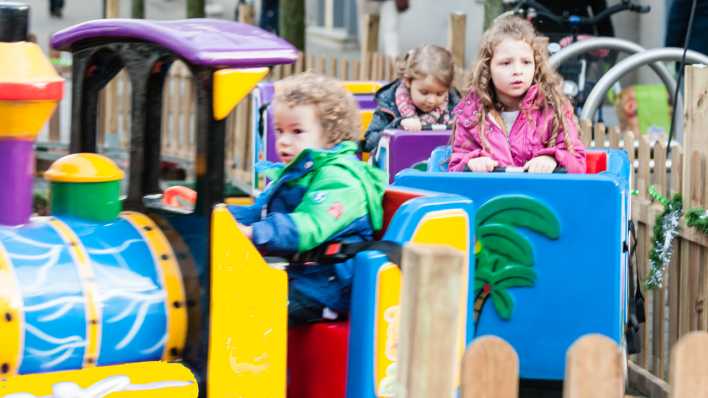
[[678, 307]]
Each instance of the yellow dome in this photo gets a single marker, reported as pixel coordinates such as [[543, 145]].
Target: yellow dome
[[83, 167]]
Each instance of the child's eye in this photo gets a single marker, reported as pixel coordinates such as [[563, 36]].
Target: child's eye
[[278, 131], [297, 131], [423, 92]]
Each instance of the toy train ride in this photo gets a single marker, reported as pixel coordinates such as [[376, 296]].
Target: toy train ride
[[148, 301]]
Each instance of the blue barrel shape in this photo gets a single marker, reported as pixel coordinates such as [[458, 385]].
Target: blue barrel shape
[[91, 294], [130, 290], [52, 296]]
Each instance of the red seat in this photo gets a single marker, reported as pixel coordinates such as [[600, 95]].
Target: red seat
[[595, 162], [317, 360], [393, 199], [317, 353]]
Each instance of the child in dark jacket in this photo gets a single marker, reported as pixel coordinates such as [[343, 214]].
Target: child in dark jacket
[[323, 193], [421, 98]]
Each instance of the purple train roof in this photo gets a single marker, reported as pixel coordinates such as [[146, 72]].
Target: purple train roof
[[206, 42]]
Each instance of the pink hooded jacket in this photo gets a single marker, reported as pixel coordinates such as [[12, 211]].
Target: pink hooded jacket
[[527, 138]]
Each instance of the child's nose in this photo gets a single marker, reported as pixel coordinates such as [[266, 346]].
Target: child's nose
[[284, 139]]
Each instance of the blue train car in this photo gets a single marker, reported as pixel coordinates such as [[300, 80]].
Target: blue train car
[[554, 266]]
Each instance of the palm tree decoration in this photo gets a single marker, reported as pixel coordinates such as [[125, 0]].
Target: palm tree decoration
[[504, 257]]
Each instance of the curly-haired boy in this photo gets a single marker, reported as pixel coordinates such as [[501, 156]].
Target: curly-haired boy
[[322, 194]]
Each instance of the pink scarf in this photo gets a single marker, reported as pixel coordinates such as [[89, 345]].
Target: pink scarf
[[405, 106]]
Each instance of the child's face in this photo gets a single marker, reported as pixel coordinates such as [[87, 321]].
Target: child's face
[[512, 68], [427, 94], [296, 129]]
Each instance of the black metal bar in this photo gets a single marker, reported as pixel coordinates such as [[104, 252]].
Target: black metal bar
[[93, 68], [211, 142]]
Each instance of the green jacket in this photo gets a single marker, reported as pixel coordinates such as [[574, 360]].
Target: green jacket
[[321, 196]]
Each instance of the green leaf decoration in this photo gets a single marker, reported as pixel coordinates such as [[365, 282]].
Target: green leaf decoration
[[503, 303], [504, 256], [504, 240], [514, 276], [519, 211], [484, 260], [511, 275], [481, 277]]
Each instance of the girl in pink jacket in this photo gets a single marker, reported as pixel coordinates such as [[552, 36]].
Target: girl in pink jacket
[[515, 113]]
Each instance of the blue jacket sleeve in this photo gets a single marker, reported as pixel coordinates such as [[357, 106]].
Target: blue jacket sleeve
[[333, 201], [276, 235], [247, 215]]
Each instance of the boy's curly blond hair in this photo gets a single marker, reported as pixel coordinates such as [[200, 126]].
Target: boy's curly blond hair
[[336, 108]]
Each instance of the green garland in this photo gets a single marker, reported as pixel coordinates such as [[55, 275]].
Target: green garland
[[698, 218], [666, 228]]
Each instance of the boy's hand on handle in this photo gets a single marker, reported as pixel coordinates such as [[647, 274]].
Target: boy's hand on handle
[[411, 124], [541, 164], [248, 231], [482, 164]]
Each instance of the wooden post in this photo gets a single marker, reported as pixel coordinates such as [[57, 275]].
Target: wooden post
[[688, 375], [695, 148], [109, 95], [370, 44], [246, 13], [111, 8], [490, 368], [599, 135], [696, 118], [429, 354], [594, 369], [586, 132], [457, 37]]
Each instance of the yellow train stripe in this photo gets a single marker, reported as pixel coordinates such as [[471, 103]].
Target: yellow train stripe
[[86, 275], [11, 318], [166, 261], [362, 87]]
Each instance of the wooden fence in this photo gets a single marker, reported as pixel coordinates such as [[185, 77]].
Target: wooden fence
[[678, 307], [594, 369], [429, 355]]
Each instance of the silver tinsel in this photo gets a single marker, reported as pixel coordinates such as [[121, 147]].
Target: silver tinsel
[[663, 247]]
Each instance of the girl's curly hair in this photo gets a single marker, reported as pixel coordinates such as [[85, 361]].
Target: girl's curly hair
[[336, 107], [428, 60], [548, 80]]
